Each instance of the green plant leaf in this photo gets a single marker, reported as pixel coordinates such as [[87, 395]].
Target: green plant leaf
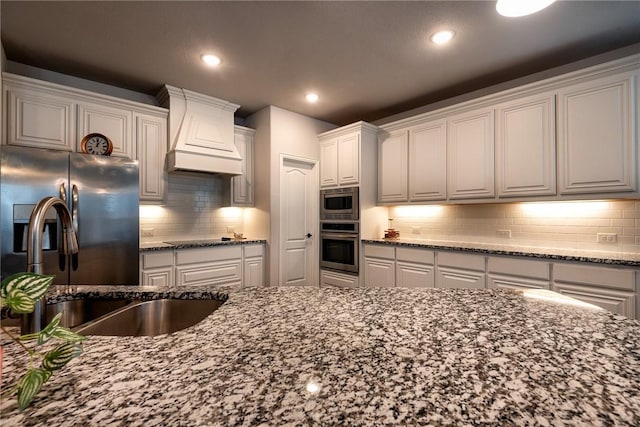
[[67, 335], [45, 334], [29, 385], [19, 302], [32, 284], [61, 355]]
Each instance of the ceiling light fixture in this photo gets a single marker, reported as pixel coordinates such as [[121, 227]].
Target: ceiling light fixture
[[312, 97], [211, 60], [515, 8], [442, 37]]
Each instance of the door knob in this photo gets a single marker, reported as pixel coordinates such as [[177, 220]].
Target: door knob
[[308, 235]]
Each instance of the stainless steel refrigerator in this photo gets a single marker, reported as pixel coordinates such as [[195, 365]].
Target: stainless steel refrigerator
[[102, 194]]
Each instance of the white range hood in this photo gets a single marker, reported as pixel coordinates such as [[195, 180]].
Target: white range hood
[[200, 133]]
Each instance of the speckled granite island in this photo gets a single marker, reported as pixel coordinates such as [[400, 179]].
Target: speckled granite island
[[360, 357]]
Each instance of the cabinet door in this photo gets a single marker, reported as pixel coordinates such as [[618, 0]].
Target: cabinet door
[[393, 168], [597, 143], [242, 185], [329, 163], [452, 278], [115, 123], [526, 154], [162, 277], [379, 272], [349, 159], [253, 272], [428, 162], [414, 275], [227, 272], [470, 155], [39, 119], [499, 281], [616, 301], [151, 142]]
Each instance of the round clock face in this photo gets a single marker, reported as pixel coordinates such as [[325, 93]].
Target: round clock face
[[96, 143]]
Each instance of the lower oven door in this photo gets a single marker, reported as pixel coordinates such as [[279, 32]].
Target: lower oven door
[[339, 251]]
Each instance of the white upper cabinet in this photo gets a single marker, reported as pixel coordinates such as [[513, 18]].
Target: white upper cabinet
[[471, 155], [597, 135], [525, 147], [428, 161], [349, 159], [115, 123], [242, 185], [392, 167], [329, 163], [340, 161], [151, 138], [342, 155]]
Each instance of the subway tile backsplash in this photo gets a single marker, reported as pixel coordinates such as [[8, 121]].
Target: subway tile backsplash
[[193, 209], [554, 224]]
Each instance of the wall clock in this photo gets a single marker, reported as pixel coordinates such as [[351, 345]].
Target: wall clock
[[96, 143]]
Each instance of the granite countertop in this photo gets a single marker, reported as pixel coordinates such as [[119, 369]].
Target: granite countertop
[[196, 243], [361, 357], [630, 259]]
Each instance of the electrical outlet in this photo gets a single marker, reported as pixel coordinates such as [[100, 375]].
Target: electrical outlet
[[147, 232], [230, 229], [607, 237], [505, 234], [415, 229]]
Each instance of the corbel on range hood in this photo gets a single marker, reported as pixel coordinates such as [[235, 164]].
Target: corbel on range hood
[[200, 133]]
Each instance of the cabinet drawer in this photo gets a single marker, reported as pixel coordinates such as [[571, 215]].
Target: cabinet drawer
[[197, 255], [378, 251], [465, 261], [414, 275], [519, 267], [453, 278], [619, 302], [253, 251], [217, 273], [420, 256], [498, 281], [157, 259], [330, 278], [597, 276]]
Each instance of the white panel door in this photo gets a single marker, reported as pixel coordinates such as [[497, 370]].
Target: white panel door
[[428, 162], [597, 141], [151, 143], [393, 168], [298, 265], [470, 156], [526, 148], [379, 272]]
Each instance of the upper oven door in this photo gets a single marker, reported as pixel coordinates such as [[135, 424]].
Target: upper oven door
[[341, 203]]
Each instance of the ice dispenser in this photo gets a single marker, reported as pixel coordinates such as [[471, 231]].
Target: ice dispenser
[[21, 215]]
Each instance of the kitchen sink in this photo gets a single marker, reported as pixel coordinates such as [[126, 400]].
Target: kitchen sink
[[149, 318], [77, 312]]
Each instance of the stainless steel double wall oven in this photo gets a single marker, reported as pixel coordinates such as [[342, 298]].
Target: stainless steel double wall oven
[[340, 229]]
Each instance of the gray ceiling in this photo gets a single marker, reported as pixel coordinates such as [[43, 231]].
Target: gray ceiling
[[367, 60]]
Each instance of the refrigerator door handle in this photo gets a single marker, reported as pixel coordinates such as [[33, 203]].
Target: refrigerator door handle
[[63, 193], [74, 220], [74, 207]]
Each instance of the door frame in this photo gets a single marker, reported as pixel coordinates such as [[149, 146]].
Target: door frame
[[314, 274]]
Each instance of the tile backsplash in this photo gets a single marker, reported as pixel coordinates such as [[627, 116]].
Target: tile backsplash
[[193, 210], [552, 224]]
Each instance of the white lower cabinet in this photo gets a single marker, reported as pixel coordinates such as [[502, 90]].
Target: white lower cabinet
[[415, 268], [209, 266], [237, 265], [611, 288], [156, 268], [339, 280], [514, 273], [458, 270], [253, 259], [379, 266]]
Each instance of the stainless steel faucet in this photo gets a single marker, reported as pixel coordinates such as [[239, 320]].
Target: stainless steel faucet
[[36, 321]]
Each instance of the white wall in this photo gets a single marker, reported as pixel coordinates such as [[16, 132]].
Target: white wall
[[278, 132]]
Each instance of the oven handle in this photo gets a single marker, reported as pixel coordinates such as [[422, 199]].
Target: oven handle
[[350, 236]]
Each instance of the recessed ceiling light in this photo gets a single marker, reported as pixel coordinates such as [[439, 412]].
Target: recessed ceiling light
[[312, 97], [442, 37], [211, 60], [515, 8]]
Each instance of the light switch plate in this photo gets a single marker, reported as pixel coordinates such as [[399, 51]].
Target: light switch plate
[[505, 234]]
